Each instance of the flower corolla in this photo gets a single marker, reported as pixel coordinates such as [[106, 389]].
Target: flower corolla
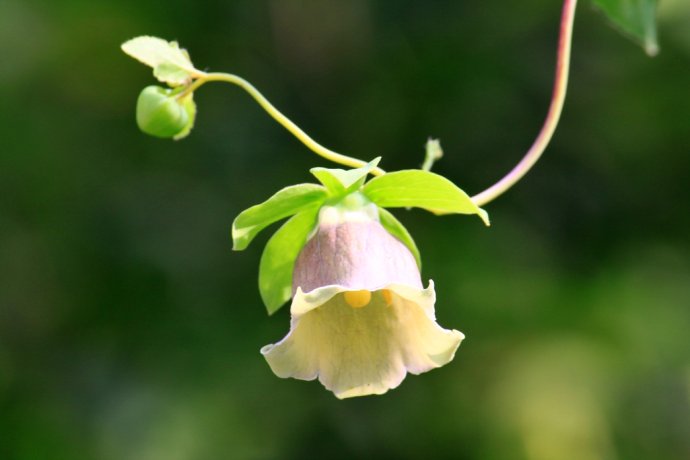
[[361, 318]]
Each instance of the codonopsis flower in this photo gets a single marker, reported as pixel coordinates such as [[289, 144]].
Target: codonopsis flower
[[361, 319]]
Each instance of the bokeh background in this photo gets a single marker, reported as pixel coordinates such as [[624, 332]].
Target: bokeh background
[[130, 330]]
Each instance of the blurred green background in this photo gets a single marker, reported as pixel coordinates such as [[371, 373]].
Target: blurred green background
[[130, 330]]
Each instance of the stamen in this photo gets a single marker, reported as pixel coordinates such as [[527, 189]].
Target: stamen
[[357, 299], [387, 297]]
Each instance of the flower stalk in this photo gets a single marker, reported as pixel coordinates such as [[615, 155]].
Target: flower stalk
[[433, 151]]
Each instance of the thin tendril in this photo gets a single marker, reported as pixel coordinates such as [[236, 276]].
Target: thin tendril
[[552, 117]]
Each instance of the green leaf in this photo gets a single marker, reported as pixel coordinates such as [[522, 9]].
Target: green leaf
[[172, 74], [170, 63], [285, 203], [340, 182], [395, 228], [635, 18], [421, 189], [279, 256]]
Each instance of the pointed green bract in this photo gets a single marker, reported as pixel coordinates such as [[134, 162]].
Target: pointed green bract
[[284, 203], [340, 182], [279, 256], [395, 228], [170, 63], [635, 18], [415, 188]]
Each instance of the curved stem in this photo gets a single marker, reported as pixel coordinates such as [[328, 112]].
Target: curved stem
[[280, 118], [552, 117]]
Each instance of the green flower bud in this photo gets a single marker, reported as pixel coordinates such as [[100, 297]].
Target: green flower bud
[[160, 113]]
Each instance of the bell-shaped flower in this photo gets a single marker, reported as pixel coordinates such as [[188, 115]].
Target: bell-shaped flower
[[361, 318]]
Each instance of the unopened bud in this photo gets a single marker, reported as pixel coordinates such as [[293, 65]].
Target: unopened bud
[[160, 113]]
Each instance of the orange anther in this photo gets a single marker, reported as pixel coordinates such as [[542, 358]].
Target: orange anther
[[387, 297], [357, 299]]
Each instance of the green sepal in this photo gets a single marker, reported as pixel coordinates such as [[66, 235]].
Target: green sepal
[[634, 18], [284, 203], [398, 230], [415, 188], [340, 182], [279, 256], [189, 107], [170, 63]]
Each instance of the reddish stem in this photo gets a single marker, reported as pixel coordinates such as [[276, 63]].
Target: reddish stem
[[552, 117]]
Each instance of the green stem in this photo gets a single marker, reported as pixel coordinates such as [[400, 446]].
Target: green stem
[[552, 117], [280, 118]]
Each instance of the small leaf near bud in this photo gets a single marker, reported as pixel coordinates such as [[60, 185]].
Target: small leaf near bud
[[170, 63], [160, 113]]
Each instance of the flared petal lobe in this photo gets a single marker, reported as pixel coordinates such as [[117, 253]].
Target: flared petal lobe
[[362, 351]]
